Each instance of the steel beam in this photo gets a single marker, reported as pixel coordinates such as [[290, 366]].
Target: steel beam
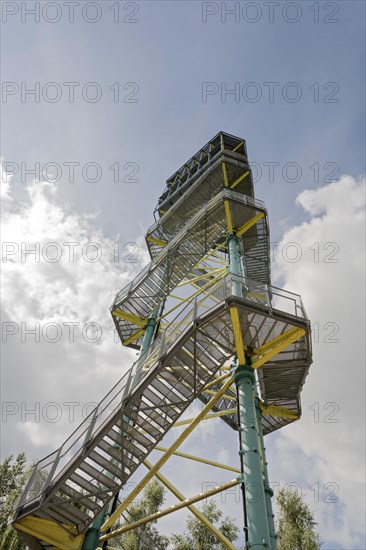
[[218, 534], [171, 509]]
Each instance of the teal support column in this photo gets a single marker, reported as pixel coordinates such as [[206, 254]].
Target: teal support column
[[91, 540], [258, 531], [268, 492], [257, 520], [148, 336]]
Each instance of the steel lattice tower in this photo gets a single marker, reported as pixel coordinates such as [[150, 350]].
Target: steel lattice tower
[[209, 326]]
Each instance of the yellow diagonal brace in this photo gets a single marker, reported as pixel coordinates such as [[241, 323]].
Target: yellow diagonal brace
[[199, 459], [221, 275], [216, 381], [135, 319], [269, 350], [208, 255], [49, 532], [204, 276], [275, 410], [207, 417], [228, 397], [220, 536], [237, 146], [249, 224], [238, 337], [156, 241], [171, 509], [183, 436], [279, 339], [134, 336], [228, 217], [258, 296], [226, 181], [239, 179]]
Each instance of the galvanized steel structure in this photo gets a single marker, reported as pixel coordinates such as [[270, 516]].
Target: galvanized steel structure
[[209, 326]]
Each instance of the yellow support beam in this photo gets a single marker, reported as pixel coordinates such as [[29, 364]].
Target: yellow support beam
[[204, 276], [275, 346], [184, 301], [239, 179], [220, 536], [156, 241], [49, 532], [171, 509], [228, 217], [134, 336], [237, 146], [228, 397], [199, 459], [207, 417], [279, 339], [130, 317], [275, 410], [217, 380], [224, 171], [249, 224], [222, 273], [183, 436], [208, 255], [240, 347], [258, 296]]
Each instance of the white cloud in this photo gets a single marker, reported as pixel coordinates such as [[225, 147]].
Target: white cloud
[[63, 348], [327, 445]]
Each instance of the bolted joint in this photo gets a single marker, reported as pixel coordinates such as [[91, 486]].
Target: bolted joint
[[244, 374], [232, 237]]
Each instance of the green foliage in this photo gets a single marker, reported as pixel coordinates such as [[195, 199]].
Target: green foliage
[[12, 478], [201, 538], [146, 536], [296, 524]]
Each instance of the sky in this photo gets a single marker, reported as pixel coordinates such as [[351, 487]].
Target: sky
[[123, 94]]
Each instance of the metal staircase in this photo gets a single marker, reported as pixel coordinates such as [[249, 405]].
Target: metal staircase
[[211, 195]]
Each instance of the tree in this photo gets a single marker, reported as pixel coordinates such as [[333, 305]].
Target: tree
[[13, 475], [146, 536], [296, 524], [200, 537]]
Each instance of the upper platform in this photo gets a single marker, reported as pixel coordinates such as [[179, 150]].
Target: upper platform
[[177, 185]]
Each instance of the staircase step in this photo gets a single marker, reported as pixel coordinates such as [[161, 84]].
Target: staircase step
[[72, 493], [83, 483], [117, 454], [106, 464], [65, 513], [98, 476], [137, 436], [123, 442]]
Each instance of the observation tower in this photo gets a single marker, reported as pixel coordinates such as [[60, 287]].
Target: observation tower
[[208, 325]]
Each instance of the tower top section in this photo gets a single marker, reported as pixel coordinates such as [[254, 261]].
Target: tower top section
[[222, 146]]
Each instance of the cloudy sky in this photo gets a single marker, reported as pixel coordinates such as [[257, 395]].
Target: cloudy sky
[[101, 103]]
